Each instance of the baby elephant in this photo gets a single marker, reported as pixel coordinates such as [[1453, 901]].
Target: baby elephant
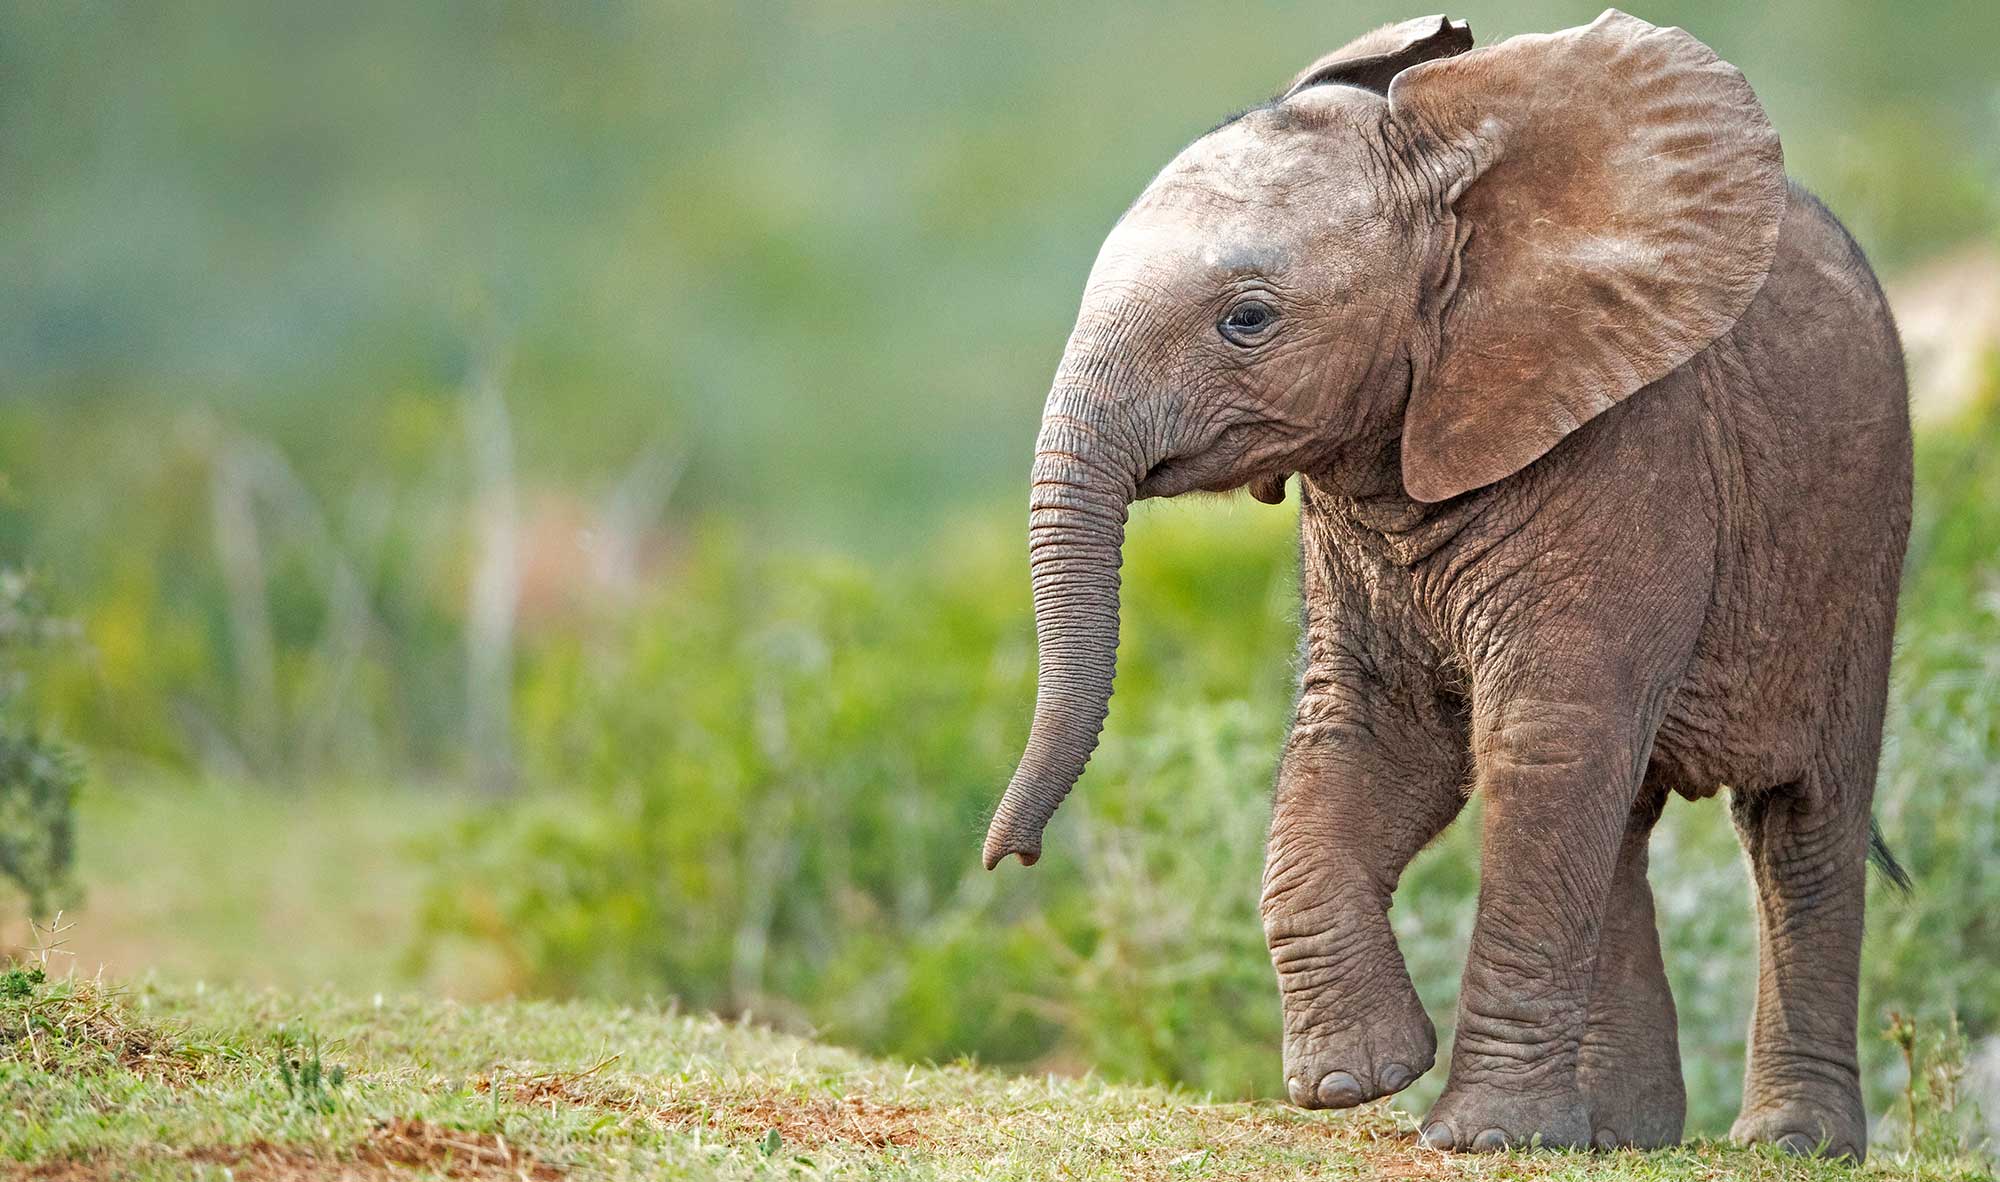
[[1605, 484]]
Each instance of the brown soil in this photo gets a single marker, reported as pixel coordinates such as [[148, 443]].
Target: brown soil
[[800, 1121], [818, 1121], [813, 1123], [391, 1151]]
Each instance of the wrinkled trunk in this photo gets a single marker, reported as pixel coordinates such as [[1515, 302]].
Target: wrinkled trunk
[[1084, 477]]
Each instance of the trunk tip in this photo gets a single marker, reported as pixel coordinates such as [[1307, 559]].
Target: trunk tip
[[998, 847]]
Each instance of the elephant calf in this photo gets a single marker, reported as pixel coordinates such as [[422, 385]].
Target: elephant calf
[[1605, 482]]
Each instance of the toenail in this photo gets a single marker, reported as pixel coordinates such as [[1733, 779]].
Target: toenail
[[1437, 1135], [1337, 1089], [1798, 1143], [1396, 1077], [1490, 1141], [1607, 1140]]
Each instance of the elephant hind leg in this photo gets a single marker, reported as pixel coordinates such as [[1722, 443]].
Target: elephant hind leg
[[1629, 1065], [1808, 852]]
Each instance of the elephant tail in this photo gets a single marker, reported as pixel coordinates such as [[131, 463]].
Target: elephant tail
[[1885, 860]]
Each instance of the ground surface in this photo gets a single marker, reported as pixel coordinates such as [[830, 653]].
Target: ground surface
[[304, 889], [102, 1083]]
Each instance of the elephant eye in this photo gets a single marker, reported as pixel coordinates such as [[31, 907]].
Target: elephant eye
[[1247, 320]]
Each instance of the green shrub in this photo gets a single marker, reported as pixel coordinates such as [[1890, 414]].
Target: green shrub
[[38, 777], [769, 798], [1939, 1120]]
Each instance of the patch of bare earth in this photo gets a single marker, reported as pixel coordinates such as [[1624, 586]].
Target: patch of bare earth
[[852, 1120], [394, 1149], [800, 1121], [1226, 1136]]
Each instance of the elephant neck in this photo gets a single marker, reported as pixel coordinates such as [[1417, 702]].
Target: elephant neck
[[1370, 504], [1358, 483]]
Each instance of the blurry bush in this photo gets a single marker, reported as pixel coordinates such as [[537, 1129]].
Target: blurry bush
[[1939, 796], [240, 623], [826, 252], [38, 776], [768, 799]]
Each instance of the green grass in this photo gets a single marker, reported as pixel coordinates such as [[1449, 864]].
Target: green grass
[[155, 1082], [207, 881], [762, 792]]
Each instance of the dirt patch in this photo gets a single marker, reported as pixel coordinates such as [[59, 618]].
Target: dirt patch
[[801, 1121], [1218, 1138], [852, 1120], [394, 1147], [392, 1150], [818, 1121]]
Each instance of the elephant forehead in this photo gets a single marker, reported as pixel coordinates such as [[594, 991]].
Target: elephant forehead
[[1268, 180], [1153, 249], [1249, 163], [1254, 196], [1267, 154]]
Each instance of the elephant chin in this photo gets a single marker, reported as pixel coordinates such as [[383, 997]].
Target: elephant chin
[[1270, 489]]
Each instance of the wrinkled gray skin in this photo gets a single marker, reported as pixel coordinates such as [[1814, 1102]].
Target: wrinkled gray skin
[[1694, 588]]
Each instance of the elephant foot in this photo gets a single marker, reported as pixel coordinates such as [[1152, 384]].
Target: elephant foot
[[1338, 1067], [1635, 1124], [1487, 1118], [1634, 1094], [1834, 1128]]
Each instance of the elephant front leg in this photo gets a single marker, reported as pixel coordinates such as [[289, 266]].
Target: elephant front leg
[[1351, 812], [1559, 783], [1630, 1063]]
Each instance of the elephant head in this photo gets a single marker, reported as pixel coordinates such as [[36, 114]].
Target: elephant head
[[1421, 265]]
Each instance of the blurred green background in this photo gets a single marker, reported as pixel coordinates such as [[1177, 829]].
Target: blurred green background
[[537, 488]]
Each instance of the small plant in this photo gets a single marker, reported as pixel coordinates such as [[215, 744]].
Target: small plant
[[18, 984], [1936, 1114], [28, 971], [309, 1083]]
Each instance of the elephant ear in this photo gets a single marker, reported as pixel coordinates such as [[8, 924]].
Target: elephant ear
[[1372, 60], [1618, 190]]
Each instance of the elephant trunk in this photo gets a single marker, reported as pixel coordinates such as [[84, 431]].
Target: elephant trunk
[[1085, 475]]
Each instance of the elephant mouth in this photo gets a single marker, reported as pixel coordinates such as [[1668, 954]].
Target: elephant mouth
[[1183, 474], [1170, 477], [1217, 466]]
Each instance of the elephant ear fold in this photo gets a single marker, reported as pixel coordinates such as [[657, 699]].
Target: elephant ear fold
[[1618, 191], [1372, 60]]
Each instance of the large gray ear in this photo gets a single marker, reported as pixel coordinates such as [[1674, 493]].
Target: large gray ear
[[1372, 60], [1622, 189]]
